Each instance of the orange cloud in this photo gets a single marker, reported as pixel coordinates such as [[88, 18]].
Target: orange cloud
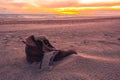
[[57, 6], [21, 8], [83, 10]]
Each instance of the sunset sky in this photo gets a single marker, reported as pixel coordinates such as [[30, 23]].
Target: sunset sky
[[58, 6]]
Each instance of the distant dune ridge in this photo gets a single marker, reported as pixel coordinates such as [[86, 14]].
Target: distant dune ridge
[[56, 21], [96, 41]]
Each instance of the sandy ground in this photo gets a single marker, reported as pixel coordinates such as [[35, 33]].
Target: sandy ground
[[97, 42]]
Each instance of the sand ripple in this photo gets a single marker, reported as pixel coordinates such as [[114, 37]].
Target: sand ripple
[[99, 58]]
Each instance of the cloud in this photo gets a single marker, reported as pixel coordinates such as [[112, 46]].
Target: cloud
[[98, 1], [39, 6], [74, 3], [77, 3], [65, 3], [60, 3], [5, 11]]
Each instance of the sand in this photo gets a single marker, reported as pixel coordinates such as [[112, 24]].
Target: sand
[[96, 40]]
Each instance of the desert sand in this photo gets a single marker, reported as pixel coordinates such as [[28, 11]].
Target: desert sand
[[96, 40]]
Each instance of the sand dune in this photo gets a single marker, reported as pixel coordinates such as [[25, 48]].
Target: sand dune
[[96, 42], [56, 21]]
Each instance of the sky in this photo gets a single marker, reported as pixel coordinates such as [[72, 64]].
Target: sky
[[89, 7]]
